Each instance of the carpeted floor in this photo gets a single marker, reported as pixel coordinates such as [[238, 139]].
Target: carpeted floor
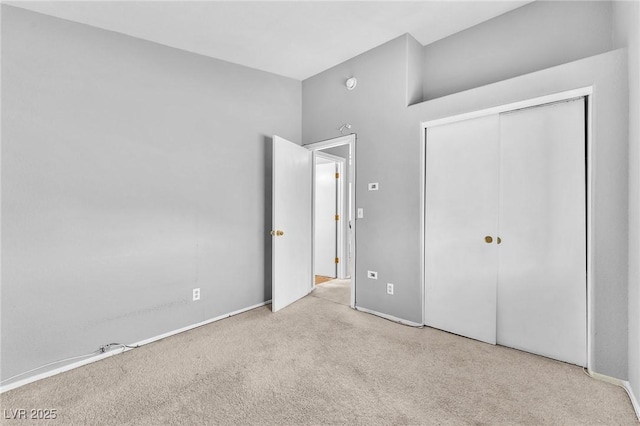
[[320, 362], [338, 291]]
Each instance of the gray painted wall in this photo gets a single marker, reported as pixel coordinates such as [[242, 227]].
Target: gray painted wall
[[131, 174], [627, 34], [415, 78], [389, 148], [533, 37]]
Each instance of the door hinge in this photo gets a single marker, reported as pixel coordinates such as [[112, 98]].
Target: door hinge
[[337, 217], [337, 260], [337, 175]]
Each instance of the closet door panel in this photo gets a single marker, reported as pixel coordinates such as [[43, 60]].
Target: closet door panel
[[461, 210], [542, 225]]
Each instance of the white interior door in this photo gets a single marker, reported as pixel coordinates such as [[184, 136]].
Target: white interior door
[[291, 230], [325, 218], [462, 167], [542, 256]]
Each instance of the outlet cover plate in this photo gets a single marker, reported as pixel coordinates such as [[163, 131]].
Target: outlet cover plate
[[390, 289], [196, 294]]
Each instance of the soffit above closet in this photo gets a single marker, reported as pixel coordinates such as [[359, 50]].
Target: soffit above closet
[[293, 39]]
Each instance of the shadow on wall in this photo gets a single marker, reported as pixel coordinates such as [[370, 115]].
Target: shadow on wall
[[268, 213]]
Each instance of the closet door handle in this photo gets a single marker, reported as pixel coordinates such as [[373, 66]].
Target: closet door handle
[[488, 239]]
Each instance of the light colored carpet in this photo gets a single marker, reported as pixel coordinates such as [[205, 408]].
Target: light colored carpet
[[338, 291], [320, 362]]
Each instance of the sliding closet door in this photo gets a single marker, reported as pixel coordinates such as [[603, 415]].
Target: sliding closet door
[[542, 226], [461, 223]]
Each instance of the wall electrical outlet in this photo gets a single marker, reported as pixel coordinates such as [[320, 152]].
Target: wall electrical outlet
[[372, 274], [373, 186], [196, 294], [390, 289]]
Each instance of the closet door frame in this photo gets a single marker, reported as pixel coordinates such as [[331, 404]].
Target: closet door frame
[[587, 93]]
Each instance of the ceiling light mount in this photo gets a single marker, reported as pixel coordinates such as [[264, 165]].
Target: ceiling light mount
[[351, 83]]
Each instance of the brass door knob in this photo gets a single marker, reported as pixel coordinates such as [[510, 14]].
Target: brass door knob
[[488, 239], [272, 233], [499, 240], [279, 233]]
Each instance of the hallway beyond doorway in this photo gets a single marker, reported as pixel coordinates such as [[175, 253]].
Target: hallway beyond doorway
[[335, 290]]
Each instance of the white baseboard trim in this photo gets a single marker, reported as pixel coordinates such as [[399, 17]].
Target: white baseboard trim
[[389, 317], [618, 382], [92, 359], [634, 399]]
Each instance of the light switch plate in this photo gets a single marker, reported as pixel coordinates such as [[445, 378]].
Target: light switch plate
[[372, 274], [360, 213], [373, 186]]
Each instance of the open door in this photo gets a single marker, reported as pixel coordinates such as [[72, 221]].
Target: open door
[[291, 229]]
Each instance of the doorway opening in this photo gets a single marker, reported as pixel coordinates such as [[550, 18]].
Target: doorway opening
[[333, 198]]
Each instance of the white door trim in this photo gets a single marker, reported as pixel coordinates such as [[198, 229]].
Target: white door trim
[[330, 143], [527, 103], [341, 269], [587, 93]]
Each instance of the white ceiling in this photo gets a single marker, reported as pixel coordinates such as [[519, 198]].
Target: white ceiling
[[294, 39]]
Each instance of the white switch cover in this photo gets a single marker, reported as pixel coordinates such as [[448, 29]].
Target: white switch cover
[[196, 294], [360, 213], [389, 288], [373, 186], [372, 274]]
